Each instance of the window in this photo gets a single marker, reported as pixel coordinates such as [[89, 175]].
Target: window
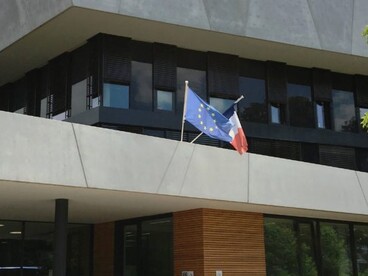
[[141, 85], [253, 108], [300, 105], [146, 247], [197, 82], [289, 247], [361, 245], [276, 113], [343, 111], [79, 94], [116, 95], [320, 109], [60, 117], [335, 249], [165, 100], [221, 104]]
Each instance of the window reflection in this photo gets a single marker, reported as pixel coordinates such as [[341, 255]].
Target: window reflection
[[361, 245], [275, 114], [320, 115], [253, 107], [335, 249], [343, 111], [221, 104], [141, 85], [197, 82], [116, 95], [300, 105], [362, 112], [165, 100]]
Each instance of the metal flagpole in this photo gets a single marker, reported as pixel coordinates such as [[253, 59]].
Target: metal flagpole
[[184, 111], [200, 134]]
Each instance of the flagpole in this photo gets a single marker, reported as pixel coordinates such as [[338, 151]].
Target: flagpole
[[184, 111], [200, 134]]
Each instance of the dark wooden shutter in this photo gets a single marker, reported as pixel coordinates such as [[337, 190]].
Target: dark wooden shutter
[[116, 59], [252, 68], [342, 82], [276, 82], [18, 95], [59, 83], [95, 45], [5, 97], [299, 75], [80, 64], [164, 66], [322, 84], [336, 156], [33, 89], [192, 59], [223, 75], [361, 89]]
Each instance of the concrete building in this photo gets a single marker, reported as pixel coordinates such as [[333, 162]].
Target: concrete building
[[93, 179]]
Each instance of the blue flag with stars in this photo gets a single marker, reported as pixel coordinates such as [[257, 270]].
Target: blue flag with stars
[[206, 118]]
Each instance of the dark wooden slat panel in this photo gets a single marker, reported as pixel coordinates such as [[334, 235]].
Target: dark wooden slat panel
[[164, 66], [361, 88], [276, 82]]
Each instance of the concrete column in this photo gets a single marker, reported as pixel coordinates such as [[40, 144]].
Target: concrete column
[[60, 238]]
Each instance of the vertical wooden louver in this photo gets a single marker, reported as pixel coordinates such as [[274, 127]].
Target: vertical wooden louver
[[18, 95], [207, 240], [58, 74], [116, 59], [164, 66], [276, 82], [80, 64], [4, 97], [322, 84], [95, 45], [223, 75], [361, 89], [33, 90]]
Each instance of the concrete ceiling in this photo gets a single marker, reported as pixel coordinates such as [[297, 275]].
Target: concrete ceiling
[[73, 27], [35, 202]]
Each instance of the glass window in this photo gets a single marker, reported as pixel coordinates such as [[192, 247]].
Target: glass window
[[38, 247], [130, 250], [148, 248], [197, 82], [300, 105], [361, 247], [79, 97], [320, 109], [141, 85], [275, 114], [281, 247], [253, 107], [116, 95], [343, 111], [165, 100], [335, 249], [221, 104], [10, 247], [78, 250]]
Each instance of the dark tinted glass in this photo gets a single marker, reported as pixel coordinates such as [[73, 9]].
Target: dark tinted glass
[[197, 82], [116, 95], [300, 105], [165, 100], [307, 263], [281, 247], [254, 107], [343, 111], [141, 85], [335, 249], [38, 248], [361, 247], [10, 248], [130, 250], [157, 247], [362, 159]]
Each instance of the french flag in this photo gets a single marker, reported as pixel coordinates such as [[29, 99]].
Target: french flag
[[239, 141]]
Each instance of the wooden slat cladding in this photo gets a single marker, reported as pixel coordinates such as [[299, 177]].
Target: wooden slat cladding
[[223, 75], [361, 87], [103, 249], [233, 243], [322, 84], [207, 240], [188, 242], [117, 59], [164, 66], [276, 82]]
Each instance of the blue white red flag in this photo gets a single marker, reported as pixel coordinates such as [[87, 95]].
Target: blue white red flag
[[239, 141]]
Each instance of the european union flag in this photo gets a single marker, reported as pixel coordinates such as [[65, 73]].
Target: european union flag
[[206, 118]]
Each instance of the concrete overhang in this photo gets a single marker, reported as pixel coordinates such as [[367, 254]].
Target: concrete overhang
[[75, 25], [110, 175]]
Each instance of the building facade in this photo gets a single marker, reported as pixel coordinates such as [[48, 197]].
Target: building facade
[[94, 179]]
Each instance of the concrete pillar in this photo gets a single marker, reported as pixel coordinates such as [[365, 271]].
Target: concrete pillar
[[60, 238]]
